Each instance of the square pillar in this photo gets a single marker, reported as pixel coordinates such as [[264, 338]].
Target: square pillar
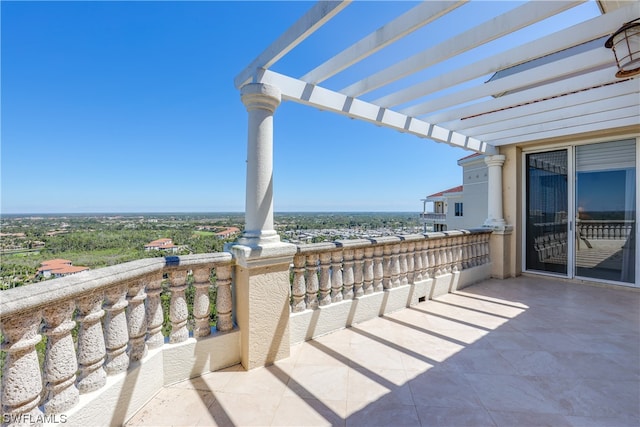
[[262, 291]]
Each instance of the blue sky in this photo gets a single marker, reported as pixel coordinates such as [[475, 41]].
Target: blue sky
[[131, 107]]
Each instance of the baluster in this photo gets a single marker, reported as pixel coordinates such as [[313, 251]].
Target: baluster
[[91, 346], [448, 254], [178, 311], [487, 256], [417, 262], [347, 274], [386, 267], [378, 270], [298, 288], [336, 276], [457, 254], [411, 265], [437, 259], [465, 251], [404, 266], [395, 266], [137, 320], [358, 268], [368, 270], [224, 301], [115, 329], [155, 317], [201, 303], [325, 278], [21, 379], [426, 266], [60, 365], [472, 250], [312, 281]]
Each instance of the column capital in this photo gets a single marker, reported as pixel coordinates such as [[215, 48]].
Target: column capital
[[260, 96], [495, 160]]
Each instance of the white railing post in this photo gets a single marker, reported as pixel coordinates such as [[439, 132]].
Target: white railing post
[[178, 311], [60, 364], [201, 302], [224, 298], [336, 276], [21, 379], [137, 320], [325, 278], [299, 288], [312, 281], [154, 312], [116, 331], [91, 345]]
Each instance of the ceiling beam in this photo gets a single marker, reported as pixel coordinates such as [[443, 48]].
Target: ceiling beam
[[490, 131], [586, 81], [324, 99], [518, 18], [607, 113], [408, 22], [556, 103], [562, 68], [580, 33], [311, 21], [567, 131]]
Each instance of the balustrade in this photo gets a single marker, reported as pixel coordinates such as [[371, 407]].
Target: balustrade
[[326, 273], [119, 315]]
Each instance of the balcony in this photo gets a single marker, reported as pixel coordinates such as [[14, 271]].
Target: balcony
[[433, 217], [384, 329]]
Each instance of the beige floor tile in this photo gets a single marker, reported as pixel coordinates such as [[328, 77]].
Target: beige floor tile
[[381, 412], [245, 409], [433, 416], [296, 411], [381, 384], [161, 411], [319, 382]]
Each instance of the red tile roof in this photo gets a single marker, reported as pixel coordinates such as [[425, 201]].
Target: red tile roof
[[457, 189]]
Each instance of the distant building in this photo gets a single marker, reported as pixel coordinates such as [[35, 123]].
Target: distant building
[[161, 245], [228, 232], [59, 268], [464, 206]]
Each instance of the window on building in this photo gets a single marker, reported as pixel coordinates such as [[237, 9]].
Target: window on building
[[458, 209]]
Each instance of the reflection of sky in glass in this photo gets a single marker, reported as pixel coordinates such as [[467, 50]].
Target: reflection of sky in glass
[[601, 191]]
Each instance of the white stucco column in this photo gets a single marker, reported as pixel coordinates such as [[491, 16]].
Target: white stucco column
[[495, 217], [261, 101], [261, 277]]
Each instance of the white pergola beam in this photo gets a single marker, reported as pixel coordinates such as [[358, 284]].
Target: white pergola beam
[[564, 39], [317, 16], [589, 116], [589, 60], [511, 21], [585, 81], [509, 127], [567, 101], [324, 99], [408, 22], [567, 131]]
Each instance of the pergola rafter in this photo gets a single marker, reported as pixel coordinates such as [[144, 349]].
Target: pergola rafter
[[560, 83]]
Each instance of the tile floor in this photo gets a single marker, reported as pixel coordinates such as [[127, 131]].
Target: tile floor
[[520, 352]]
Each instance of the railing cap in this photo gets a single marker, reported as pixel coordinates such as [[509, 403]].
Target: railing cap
[[49, 292]]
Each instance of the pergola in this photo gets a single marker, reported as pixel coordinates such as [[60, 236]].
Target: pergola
[[555, 86]]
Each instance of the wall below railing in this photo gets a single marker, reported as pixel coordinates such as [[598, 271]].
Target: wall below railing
[[336, 285]]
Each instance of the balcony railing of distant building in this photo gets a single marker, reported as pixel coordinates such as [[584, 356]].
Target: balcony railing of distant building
[[433, 216], [81, 344]]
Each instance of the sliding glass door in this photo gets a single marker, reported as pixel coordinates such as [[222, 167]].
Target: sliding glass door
[[605, 209], [547, 205], [580, 212]]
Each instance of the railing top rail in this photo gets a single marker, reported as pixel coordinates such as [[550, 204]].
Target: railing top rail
[[386, 240], [24, 298]]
